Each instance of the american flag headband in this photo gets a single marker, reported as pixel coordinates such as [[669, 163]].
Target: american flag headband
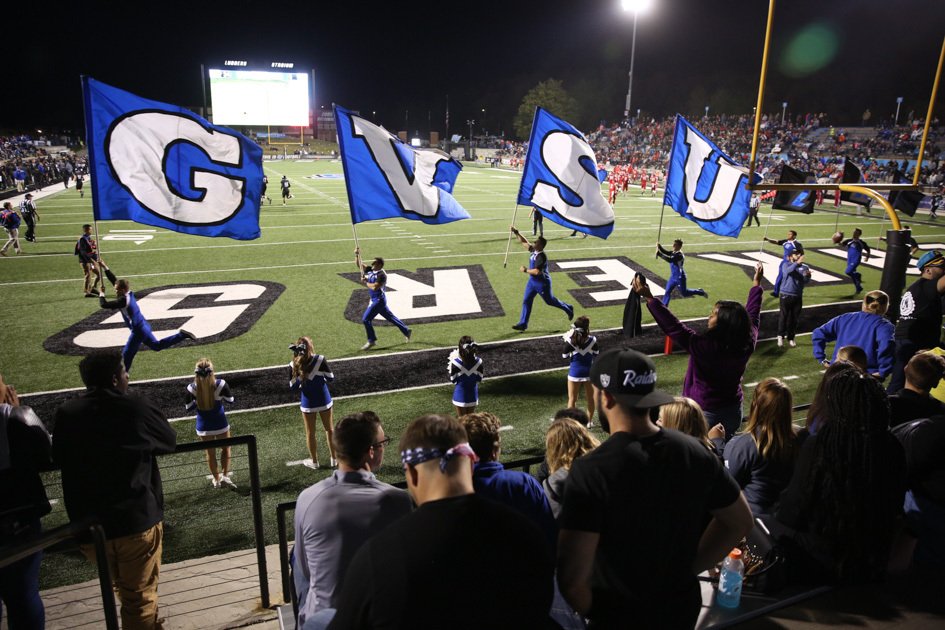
[[414, 456]]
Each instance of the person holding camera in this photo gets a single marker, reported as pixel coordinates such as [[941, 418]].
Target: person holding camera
[[465, 370], [580, 347], [310, 376], [375, 279], [206, 394]]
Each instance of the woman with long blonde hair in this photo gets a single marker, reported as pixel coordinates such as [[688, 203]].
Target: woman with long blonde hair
[[762, 458], [207, 394], [685, 415], [310, 376], [565, 441]]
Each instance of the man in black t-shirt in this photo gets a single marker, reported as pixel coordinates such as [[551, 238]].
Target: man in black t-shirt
[[920, 315], [458, 561], [633, 531]]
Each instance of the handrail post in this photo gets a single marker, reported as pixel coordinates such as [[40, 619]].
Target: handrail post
[[287, 588], [104, 577], [256, 496]]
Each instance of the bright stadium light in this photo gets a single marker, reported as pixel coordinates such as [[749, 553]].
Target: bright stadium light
[[636, 7]]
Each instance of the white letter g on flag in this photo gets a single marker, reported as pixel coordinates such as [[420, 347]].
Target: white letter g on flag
[[137, 148]]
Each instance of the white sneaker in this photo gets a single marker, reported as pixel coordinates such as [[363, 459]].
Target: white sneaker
[[309, 463], [215, 482], [225, 480], [368, 345], [791, 343], [780, 342]]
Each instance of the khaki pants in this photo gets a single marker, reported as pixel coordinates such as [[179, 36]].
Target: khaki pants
[[135, 562]]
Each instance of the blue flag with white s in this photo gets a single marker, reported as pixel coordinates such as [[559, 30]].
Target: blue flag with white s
[[162, 165], [704, 185], [562, 179], [387, 178]]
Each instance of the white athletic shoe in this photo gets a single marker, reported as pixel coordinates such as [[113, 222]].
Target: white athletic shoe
[[215, 482], [791, 343], [188, 334], [309, 463], [225, 480], [780, 342], [368, 345]]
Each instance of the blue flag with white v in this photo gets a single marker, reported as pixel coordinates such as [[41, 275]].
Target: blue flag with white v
[[387, 178], [704, 185], [561, 178], [163, 165]]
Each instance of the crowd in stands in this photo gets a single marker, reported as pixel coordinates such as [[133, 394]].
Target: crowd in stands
[[806, 142], [26, 164]]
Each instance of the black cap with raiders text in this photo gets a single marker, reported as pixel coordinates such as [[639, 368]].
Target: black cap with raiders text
[[630, 377]]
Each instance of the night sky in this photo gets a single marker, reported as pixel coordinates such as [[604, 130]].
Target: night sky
[[839, 56]]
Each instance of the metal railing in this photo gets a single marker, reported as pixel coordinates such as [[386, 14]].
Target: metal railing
[[255, 499], [182, 475], [15, 553]]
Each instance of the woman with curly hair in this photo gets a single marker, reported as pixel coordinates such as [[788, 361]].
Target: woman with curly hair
[[311, 375], [843, 504]]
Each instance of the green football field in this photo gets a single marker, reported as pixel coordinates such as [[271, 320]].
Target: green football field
[[308, 244]]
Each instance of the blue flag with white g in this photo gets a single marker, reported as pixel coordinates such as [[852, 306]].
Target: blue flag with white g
[[561, 178], [704, 185], [387, 178], [163, 165]]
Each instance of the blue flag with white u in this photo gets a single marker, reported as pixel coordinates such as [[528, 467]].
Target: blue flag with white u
[[561, 177], [387, 178], [705, 185], [162, 165]]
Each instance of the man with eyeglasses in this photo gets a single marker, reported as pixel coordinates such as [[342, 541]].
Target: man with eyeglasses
[[920, 315], [337, 515]]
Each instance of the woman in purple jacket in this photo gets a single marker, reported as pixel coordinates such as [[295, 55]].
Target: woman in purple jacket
[[717, 357]]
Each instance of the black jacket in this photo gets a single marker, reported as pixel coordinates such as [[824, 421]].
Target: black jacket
[[106, 442]]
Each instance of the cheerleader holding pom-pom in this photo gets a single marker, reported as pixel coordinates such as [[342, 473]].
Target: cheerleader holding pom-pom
[[581, 348], [208, 393], [311, 375], [465, 370]]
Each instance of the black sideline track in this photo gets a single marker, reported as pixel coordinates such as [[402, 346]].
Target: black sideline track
[[378, 373]]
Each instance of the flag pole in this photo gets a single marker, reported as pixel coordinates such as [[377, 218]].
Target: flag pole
[[659, 230], [764, 239], [98, 255], [508, 245]]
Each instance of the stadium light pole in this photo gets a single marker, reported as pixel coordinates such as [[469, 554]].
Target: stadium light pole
[[706, 112], [783, 111], [636, 7], [898, 103]]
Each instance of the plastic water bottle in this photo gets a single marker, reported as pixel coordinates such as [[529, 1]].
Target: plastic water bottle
[[730, 580]]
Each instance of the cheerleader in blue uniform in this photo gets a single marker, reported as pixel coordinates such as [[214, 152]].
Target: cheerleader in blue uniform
[[581, 348], [465, 370], [207, 394], [311, 375]]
